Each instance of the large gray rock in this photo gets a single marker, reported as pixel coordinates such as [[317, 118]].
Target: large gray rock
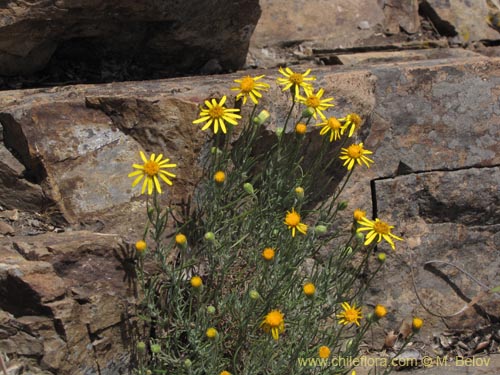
[[169, 36]]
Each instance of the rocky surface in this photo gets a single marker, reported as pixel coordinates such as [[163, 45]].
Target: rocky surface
[[135, 38]]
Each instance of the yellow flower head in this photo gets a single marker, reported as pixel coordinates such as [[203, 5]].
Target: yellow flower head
[[377, 229], [196, 282], [218, 115], [268, 254], [417, 323], [324, 351], [141, 246], [292, 219], [353, 121], [211, 333], [180, 239], [150, 171], [249, 88], [355, 153], [295, 81], [358, 214], [219, 177], [315, 102], [274, 322], [331, 125], [301, 128], [351, 314], [225, 373], [380, 311], [309, 289]]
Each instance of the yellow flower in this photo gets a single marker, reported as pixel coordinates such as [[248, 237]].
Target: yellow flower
[[358, 214], [274, 322], [225, 373], [379, 229], [180, 239], [355, 153], [417, 323], [292, 219], [351, 120], [219, 177], [309, 289], [324, 351], [217, 114], [140, 246], [150, 171], [315, 102], [333, 126], [212, 333], [249, 87], [196, 282], [301, 128], [351, 314], [268, 254], [295, 81], [380, 311]]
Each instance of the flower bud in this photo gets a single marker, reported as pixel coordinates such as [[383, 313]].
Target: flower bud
[[210, 236], [279, 132], [211, 310], [261, 117], [308, 112], [188, 363], [141, 246], [215, 150], [381, 257], [360, 237], [155, 348], [417, 323], [248, 187], [342, 205], [141, 347], [320, 229], [181, 240], [301, 128], [212, 333], [299, 192], [254, 294], [380, 311]]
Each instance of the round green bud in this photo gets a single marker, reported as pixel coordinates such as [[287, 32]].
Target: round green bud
[[261, 117], [247, 186], [279, 132], [188, 363], [299, 192], [381, 257], [141, 347], [320, 229], [308, 112], [155, 348], [211, 310], [360, 237], [210, 236], [254, 294]]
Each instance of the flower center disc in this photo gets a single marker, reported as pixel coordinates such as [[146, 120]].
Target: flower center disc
[[351, 315], [354, 151], [216, 112], [151, 168], [293, 219], [274, 319], [333, 123], [247, 84], [312, 101], [381, 227], [296, 78]]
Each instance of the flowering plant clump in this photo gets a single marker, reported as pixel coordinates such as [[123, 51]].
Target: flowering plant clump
[[252, 275]]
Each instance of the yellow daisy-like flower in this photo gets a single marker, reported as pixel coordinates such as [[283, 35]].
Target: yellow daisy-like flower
[[150, 171], [292, 219], [218, 115], [353, 121], [358, 214], [274, 322], [380, 311], [295, 81], [309, 289], [377, 229], [333, 126], [324, 351], [351, 314], [355, 153], [315, 102], [249, 88], [268, 254]]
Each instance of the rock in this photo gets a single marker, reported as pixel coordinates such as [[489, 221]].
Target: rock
[[401, 15], [66, 300], [165, 36], [467, 20], [6, 229]]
